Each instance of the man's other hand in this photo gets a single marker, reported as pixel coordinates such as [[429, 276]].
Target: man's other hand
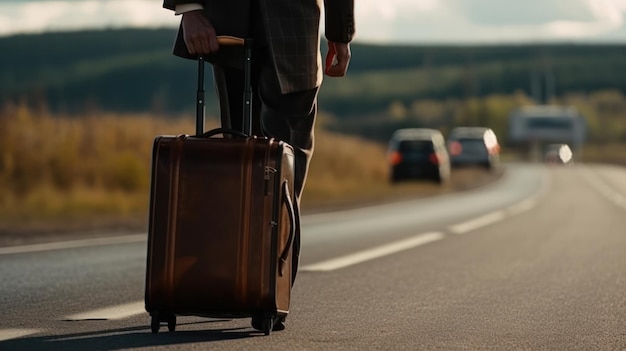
[[199, 34], [337, 59]]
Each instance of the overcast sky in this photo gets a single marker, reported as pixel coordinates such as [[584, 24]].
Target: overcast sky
[[380, 21]]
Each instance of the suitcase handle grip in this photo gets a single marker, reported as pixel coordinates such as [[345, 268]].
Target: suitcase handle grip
[[230, 40], [224, 131], [226, 40], [292, 226]]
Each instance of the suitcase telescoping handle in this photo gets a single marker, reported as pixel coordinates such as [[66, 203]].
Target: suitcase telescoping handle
[[247, 93]]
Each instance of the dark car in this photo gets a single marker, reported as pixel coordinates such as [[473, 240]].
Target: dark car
[[418, 153], [473, 146]]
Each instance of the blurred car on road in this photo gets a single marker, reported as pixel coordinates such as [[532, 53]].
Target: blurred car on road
[[418, 153], [473, 146], [558, 154]]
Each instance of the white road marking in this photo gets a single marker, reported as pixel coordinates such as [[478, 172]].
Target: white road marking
[[8, 334], [522, 206], [606, 191], [110, 313], [513, 210], [377, 252], [124, 239], [476, 223]]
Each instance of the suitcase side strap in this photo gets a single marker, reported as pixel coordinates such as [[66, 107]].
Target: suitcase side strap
[[292, 225]]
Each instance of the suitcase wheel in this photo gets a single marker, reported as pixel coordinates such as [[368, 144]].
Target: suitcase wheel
[[171, 323], [268, 325], [156, 320], [155, 324]]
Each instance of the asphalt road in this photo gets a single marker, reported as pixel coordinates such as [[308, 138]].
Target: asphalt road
[[534, 261]]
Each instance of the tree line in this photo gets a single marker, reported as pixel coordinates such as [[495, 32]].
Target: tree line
[[388, 86]]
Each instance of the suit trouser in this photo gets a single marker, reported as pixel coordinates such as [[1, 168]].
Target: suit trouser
[[287, 117]]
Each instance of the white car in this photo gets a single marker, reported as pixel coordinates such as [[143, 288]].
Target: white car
[[558, 154], [473, 146]]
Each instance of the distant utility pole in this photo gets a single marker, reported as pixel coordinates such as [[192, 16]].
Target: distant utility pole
[[542, 80]]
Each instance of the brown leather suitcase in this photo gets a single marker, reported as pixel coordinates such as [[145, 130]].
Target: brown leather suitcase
[[221, 224]]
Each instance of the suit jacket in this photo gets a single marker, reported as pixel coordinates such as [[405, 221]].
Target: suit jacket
[[292, 32]]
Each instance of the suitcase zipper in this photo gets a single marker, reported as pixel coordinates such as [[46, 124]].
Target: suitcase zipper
[[170, 248]]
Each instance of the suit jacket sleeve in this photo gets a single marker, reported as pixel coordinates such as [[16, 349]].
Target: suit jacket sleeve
[[171, 4], [339, 16]]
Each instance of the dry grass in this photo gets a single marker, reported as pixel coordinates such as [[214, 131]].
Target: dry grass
[[59, 172], [613, 153]]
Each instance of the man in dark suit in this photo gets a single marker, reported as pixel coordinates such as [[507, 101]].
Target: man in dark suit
[[287, 67]]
